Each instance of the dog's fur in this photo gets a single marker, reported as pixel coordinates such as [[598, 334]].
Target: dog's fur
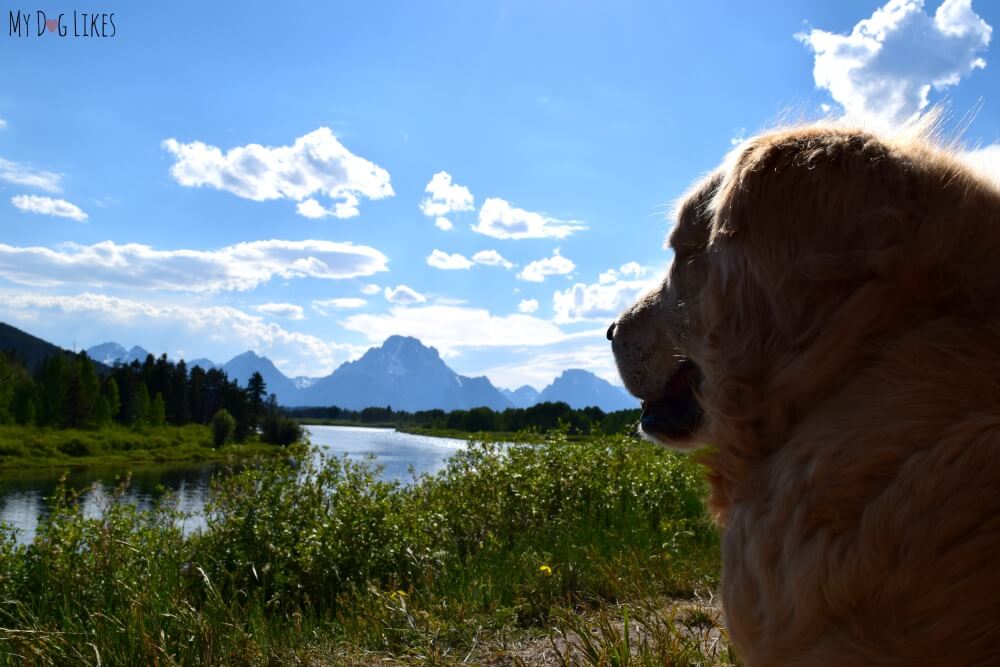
[[840, 293]]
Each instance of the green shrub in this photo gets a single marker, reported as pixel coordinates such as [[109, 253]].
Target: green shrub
[[277, 429], [75, 447], [223, 427]]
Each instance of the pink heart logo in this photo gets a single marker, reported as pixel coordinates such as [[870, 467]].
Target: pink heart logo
[[51, 24]]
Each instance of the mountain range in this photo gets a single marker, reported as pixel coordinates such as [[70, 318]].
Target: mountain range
[[109, 353], [33, 351], [402, 373]]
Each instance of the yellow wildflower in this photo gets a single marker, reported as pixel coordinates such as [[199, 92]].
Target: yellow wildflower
[[546, 570]]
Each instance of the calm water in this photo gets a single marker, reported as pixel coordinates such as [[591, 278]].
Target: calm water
[[23, 493]]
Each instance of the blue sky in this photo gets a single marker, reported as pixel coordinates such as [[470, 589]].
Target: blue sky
[[217, 177]]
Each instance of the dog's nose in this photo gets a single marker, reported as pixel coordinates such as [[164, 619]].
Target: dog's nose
[[611, 331]]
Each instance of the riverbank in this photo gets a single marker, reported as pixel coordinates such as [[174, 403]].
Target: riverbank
[[32, 447], [526, 436], [325, 563]]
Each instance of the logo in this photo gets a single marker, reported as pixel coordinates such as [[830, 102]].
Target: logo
[[79, 24]]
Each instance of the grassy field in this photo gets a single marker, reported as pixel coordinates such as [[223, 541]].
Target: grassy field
[[563, 552], [34, 447]]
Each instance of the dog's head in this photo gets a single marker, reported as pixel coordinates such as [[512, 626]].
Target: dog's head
[[655, 338], [807, 243]]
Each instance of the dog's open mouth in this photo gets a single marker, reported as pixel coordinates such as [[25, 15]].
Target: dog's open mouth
[[677, 415]]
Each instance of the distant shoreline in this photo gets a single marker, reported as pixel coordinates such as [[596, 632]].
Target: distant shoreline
[[23, 447]]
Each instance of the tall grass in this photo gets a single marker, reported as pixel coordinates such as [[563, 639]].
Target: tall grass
[[320, 562]]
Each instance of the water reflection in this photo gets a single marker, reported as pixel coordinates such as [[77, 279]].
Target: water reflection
[[23, 493]]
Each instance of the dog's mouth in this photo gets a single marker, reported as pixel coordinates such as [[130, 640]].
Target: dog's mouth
[[676, 416]]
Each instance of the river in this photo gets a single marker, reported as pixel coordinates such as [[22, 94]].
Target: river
[[23, 493]]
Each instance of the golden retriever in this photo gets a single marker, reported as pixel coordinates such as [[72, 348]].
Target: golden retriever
[[830, 329]]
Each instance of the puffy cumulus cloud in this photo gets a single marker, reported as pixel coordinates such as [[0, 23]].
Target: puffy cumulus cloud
[[528, 306], [310, 208], [556, 265], [289, 311], [315, 164], [628, 270], [59, 208], [404, 295], [342, 303], [442, 260], [370, 289], [217, 332], [22, 174], [604, 300], [238, 267], [444, 224], [445, 197], [497, 218], [986, 161], [884, 70], [449, 327], [491, 258]]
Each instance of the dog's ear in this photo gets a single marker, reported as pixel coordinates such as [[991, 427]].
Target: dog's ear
[[804, 225]]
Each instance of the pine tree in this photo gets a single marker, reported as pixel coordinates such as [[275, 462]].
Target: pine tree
[[85, 388], [141, 405], [102, 412], [196, 396], [178, 410], [6, 390], [256, 392], [157, 410], [112, 397], [53, 392], [25, 406]]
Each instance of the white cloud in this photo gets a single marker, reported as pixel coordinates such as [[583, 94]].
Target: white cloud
[[986, 161], [497, 218], [444, 224], [341, 303], [445, 197], [3, 124], [311, 208], [315, 164], [528, 306], [491, 258], [403, 295], [217, 332], [596, 302], [884, 70], [288, 311], [633, 269], [451, 327], [442, 260], [370, 289], [238, 267], [557, 265], [59, 208], [629, 269], [21, 174]]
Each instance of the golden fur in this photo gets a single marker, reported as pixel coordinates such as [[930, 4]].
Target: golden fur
[[840, 293]]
